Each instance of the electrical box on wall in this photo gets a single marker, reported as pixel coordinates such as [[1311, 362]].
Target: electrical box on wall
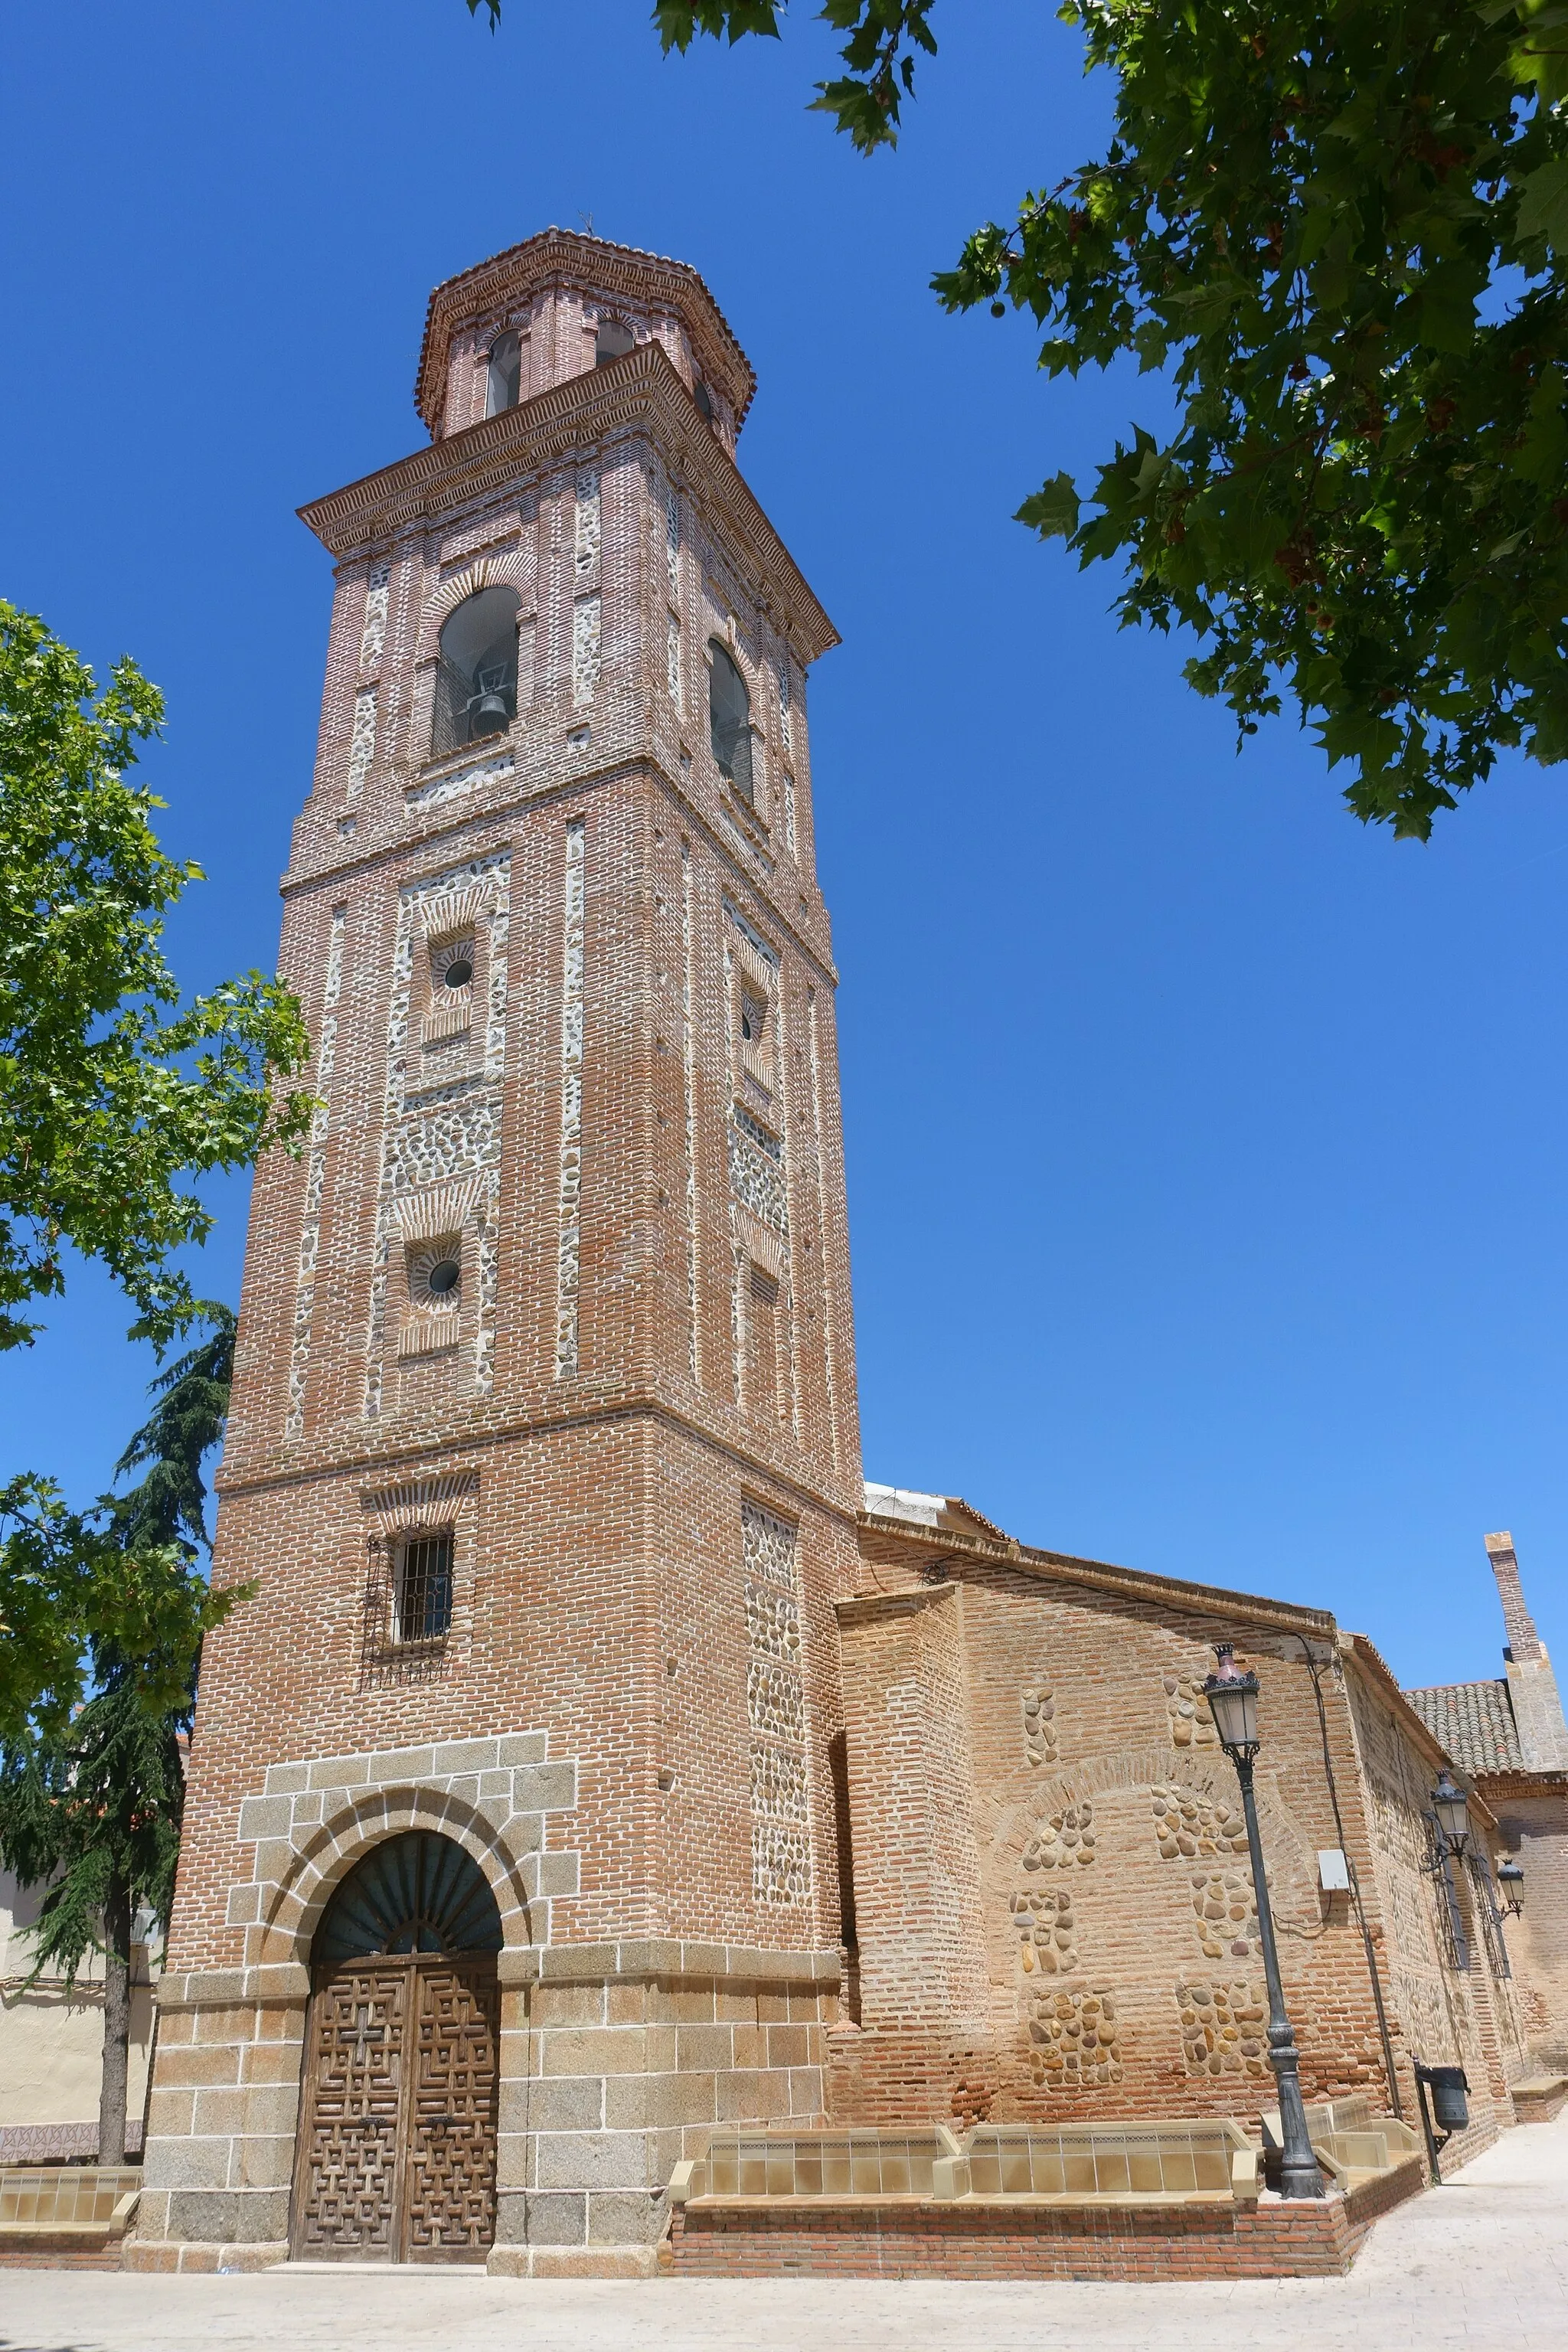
[[1333, 1871]]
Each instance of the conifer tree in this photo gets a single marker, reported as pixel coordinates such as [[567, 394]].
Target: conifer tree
[[91, 1801]]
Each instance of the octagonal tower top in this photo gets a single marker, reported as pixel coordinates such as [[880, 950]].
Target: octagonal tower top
[[555, 307]]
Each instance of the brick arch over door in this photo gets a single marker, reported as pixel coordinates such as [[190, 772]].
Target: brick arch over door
[[342, 1839]]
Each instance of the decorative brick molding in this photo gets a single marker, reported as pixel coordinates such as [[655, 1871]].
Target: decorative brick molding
[[60, 2143]]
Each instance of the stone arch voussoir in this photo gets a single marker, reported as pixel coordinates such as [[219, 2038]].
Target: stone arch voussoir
[[364, 1819]]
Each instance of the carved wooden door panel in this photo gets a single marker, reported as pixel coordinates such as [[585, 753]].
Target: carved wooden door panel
[[397, 2150], [349, 2192], [450, 2169]]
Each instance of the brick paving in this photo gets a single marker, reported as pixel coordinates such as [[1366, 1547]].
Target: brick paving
[[1482, 2263]]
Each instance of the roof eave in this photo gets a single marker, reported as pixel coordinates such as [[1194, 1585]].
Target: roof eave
[[642, 388]]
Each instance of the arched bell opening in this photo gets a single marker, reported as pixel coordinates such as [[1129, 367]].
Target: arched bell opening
[[396, 2157], [476, 677]]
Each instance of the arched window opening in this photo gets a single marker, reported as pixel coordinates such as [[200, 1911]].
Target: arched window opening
[[612, 341], [503, 376], [416, 1892], [476, 680], [730, 721], [704, 397]]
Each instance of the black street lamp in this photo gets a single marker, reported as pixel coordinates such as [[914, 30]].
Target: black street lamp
[[1453, 1813], [1511, 1879], [1233, 1702]]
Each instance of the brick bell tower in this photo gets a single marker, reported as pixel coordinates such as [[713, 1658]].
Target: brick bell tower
[[511, 1863]]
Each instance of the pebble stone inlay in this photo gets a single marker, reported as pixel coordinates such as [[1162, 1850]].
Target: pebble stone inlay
[[1073, 2038], [362, 743], [1224, 2028], [434, 1135], [315, 1177], [1192, 1724], [1037, 1705], [568, 1266], [585, 643], [775, 1703], [372, 636]]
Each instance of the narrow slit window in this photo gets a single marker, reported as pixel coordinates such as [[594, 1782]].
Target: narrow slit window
[[612, 341], [730, 721], [503, 373]]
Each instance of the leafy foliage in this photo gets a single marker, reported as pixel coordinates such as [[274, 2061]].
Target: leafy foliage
[[1339, 227], [95, 1809], [1342, 229], [69, 1586], [169, 1507], [110, 1092], [882, 36]]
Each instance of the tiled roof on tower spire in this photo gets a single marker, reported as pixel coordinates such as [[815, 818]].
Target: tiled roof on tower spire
[[564, 255]]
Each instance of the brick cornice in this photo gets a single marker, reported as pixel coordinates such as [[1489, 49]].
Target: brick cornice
[[559, 257], [640, 392], [411, 851], [1498, 1786], [947, 1548], [356, 1449]]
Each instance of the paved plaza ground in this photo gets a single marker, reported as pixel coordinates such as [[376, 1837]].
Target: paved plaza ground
[[1483, 2262]]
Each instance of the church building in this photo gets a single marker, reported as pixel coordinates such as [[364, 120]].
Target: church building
[[601, 1764]]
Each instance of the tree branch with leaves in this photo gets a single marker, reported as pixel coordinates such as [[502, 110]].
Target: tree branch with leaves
[[1337, 229], [114, 1094]]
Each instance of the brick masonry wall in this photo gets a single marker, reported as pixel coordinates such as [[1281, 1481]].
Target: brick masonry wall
[[1113, 1929], [1533, 1826], [651, 1337]]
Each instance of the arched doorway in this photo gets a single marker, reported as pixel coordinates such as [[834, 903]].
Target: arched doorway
[[396, 2158]]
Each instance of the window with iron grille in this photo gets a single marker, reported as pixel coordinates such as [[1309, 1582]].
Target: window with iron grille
[[407, 1609], [1451, 1927], [1483, 1902]]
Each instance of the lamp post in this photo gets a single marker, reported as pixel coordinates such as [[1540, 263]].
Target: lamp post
[[1233, 1702], [1511, 1879], [1453, 1813]]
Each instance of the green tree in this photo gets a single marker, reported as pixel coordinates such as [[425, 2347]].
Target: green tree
[[1339, 228], [113, 1094], [91, 1801]]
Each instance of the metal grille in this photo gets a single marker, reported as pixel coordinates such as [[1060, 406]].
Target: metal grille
[[1485, 1904], [1451, 1927], [407, 1609]]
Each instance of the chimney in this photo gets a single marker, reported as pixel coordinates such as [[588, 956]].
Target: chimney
[[1532, 1685]]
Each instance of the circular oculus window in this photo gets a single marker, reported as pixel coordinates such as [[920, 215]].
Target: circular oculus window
[[436, 1275], [454, 964]]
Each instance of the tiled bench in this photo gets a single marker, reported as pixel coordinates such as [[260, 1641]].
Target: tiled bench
[[1539, 2099], [51, 2211]]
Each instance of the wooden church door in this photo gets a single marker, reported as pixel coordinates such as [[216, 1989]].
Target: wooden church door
[[396, 2156]]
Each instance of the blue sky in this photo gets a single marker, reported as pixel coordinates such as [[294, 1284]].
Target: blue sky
[[1205, 1151]]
